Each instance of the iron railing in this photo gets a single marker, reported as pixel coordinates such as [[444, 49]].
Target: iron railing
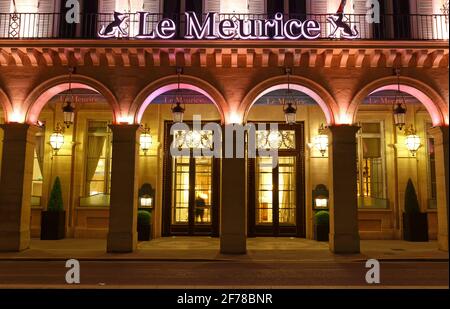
[[54, 25]]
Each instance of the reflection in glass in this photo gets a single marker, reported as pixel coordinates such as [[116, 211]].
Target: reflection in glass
[[286, 189]]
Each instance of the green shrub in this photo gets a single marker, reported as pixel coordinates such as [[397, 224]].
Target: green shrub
[[144, 217], [322, 217], [411, 201], [55, 202]]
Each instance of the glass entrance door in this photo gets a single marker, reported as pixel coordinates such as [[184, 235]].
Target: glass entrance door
[[276, 190], [190, 193]]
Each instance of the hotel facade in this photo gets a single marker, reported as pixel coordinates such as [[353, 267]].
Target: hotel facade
[[91, 98]]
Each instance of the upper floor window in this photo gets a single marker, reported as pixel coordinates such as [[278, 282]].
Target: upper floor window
[[371, 166]]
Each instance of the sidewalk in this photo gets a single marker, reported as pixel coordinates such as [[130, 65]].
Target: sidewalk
[[207, 249]]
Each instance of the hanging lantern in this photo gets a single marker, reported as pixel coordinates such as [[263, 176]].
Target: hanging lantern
[[178, 110], [412, 141], [68, 109], [399, 105], [290, 112], [69, 114], [145, 140], [320, 141], [57, 139]]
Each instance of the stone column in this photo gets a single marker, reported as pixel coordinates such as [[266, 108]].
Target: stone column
[[440, 135], [344, 235], [122, 234], [233, 228], [15, 186]]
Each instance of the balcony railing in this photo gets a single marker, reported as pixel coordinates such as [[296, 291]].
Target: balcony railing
[[54, 25]]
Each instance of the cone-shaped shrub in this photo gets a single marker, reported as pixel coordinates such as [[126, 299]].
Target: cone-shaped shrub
[[55, 203], [411, 201]]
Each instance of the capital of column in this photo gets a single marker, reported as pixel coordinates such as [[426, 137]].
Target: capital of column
[[440, 134], [342, 133], [124, 132], [19, 131]]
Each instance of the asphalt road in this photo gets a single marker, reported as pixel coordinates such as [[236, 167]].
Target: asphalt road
[[169, 274]]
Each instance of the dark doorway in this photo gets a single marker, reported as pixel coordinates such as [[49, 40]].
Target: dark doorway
[[276, 199]]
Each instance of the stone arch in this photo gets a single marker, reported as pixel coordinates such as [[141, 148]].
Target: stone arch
[[37, 99], [433, 102], [320, 95], [6, 106], [162, 85]]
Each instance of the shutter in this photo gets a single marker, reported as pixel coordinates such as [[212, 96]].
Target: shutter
[[5, 9], [256, 7], [319, 7], [423, 19], [359, 19], [46, 18], [107, 6], [212, 6], [152, 6]]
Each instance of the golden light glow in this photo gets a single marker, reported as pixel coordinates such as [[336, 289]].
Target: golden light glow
[[321, 202], [56, 140], [412, 142], [320, 142], [233, 6]]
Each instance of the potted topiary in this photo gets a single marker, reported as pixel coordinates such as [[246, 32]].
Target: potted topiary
[[53, 222], [321, 225], [415, 224], [144, 225]]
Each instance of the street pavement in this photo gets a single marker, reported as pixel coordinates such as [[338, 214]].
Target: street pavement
[[223, 274]]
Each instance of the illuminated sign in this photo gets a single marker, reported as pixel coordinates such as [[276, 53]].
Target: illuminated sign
[[213, 28]]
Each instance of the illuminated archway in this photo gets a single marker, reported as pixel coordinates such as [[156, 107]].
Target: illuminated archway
[[163, 85], [6, 107], [432, 101], [298, 83], [37, 99]]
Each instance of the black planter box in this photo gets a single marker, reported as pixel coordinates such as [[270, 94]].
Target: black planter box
[[53, 225], [144, 232], [415, 227], [321, 232]]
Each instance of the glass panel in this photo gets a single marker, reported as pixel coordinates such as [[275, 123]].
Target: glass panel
[[369, 127], [370, 176], [180, 204], [432, 174], [264, 187], [283, 139], [286, 190], [203, 190], [98, 161], [36, 189]]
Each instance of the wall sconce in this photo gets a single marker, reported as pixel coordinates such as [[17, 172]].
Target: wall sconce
[[57, 138], [320, 141], [145, 139], [320, 196], [146, 196], [412, 141]]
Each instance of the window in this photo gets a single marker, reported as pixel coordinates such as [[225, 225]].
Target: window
[[38, 162], [98, 153], [431, 171], [371, 166]]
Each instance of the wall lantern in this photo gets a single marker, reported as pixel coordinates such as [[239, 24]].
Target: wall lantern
[[57, 138], [145, 139], [68, 109], [399, 105], [320, 141], [178, 110], [412, 141], [290, 111], [320, 197], [146, 196]]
